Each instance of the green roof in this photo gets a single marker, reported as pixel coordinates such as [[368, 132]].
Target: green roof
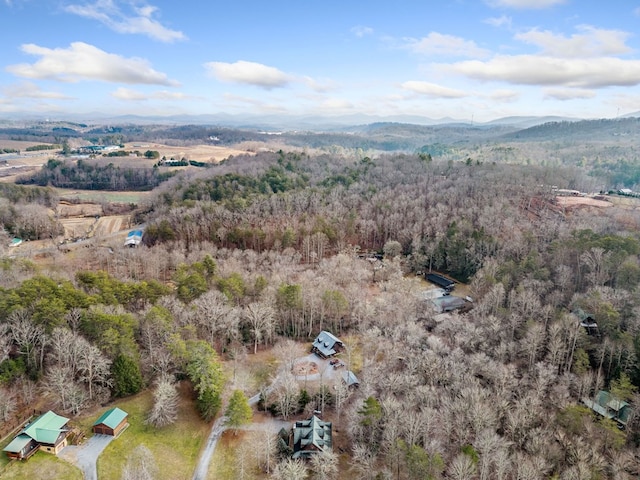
[[112, 417], [18, 443], [46, 428], [310, 436], [609, 407]]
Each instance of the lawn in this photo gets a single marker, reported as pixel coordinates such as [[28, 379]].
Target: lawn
[[175, 448], [40, 465]]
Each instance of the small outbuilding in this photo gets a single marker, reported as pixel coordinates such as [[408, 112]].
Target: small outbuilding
[[111, 422], [350, 380], [326, 345]]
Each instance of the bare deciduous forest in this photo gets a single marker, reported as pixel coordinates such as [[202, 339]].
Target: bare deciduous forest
[[262, 252]]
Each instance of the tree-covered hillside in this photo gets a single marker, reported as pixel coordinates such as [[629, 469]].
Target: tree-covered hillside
[[262, 252]]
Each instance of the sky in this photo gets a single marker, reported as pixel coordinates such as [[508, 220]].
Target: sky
[[470, 60]]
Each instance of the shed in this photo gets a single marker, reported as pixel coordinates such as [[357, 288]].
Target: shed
[[111, 422], [326, 344], [350, 380]]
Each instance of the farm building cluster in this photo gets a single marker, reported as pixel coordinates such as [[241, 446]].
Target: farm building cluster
[[49, 433]]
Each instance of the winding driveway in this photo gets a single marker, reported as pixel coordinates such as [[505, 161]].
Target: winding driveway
[[217, 429], [86, 455]]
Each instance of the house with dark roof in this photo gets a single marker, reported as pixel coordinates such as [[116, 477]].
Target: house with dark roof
[[587, 321], [326, 345], [309, 437], [610, 407], [111, 422], [48, 433]]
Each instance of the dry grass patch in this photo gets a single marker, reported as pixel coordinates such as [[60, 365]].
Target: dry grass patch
[[200, 153], [103, 196], [175, 448], [236, 456]]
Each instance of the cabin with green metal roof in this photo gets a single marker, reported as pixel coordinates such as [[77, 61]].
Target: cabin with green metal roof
[[111, 422], [310, 437], [610, 407], [48, 432]]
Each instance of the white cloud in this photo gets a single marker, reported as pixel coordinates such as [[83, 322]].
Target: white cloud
[[322, 86], [82, 61], [568, 93], [447, 45], [31, 90], [525, 4], [590, 42], [249, 73], [543, 70], [138, 21], [336, 105], [361, 31], [504, 96], [432, 89], [502, 21], [129, 94]]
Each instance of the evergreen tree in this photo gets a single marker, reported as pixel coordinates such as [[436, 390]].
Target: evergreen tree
[[127, 379], [238, 411]]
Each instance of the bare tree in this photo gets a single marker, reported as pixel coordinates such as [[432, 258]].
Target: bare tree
[[286, 394], [5, 341], [218, 320], [93, 368], [141, 465], [363, 462], [290, 469], [165, 404], [462, 467], [325, 465], [7, 403], [261, 320], [268, 450], [30, 338]]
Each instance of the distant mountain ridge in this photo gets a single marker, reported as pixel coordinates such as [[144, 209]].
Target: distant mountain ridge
[[277, 122]]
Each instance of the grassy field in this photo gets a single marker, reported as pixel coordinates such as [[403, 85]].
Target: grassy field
[[102, 196], [41, 465], [175, 448]]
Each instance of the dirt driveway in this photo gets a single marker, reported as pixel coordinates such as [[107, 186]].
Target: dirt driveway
[[86, 455]]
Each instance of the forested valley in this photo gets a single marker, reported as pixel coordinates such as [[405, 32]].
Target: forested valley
[[262, 252]]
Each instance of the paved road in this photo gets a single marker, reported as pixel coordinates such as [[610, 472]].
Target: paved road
[[86, 455], [217, 430]]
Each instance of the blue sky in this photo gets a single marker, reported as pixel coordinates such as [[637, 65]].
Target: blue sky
[[465, 59]]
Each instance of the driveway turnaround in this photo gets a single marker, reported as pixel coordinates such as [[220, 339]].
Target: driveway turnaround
[[86, 455]]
